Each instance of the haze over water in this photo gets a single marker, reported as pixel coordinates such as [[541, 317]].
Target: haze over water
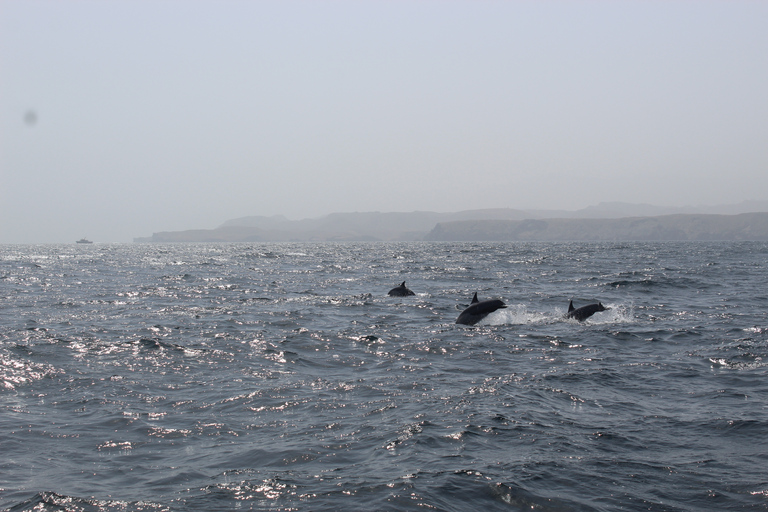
[[282, 377], [120, 119]]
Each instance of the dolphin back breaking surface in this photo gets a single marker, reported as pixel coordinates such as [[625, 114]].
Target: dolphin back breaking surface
[[400, 291], [478, 310], [584, 312]]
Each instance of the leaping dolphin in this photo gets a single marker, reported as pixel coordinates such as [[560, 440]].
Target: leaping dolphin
[[400, 291], [478, 310], [584, 312]]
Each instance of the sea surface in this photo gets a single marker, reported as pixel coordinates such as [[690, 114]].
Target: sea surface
[[229, 377]]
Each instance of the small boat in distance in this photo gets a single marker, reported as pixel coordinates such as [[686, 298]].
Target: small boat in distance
[[84, 241]]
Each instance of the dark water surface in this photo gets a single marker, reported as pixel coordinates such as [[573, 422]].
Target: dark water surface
[[282, 377]]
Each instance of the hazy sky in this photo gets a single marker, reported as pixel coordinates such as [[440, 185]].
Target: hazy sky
[[122, 118]]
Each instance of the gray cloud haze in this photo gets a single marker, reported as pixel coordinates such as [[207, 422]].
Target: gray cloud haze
[[123, 118]]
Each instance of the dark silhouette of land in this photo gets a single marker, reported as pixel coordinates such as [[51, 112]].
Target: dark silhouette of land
[[604, 222]]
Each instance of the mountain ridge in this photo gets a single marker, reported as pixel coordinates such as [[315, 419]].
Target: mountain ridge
[[675, 227], [499, 222]]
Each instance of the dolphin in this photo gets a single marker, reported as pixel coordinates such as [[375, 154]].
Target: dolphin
[[478, 310], [400, 291], [584, 312]]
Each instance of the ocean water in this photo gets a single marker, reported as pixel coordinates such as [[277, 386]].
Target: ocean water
[[282, 377]]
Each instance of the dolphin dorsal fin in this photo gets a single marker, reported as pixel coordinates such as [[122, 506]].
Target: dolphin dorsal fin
[[570, 306], [474, 299], [403, 285]]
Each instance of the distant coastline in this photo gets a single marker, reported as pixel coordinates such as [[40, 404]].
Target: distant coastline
[[604, 222], [679, 227]]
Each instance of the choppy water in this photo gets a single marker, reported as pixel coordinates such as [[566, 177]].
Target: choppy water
[[282, 377]]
